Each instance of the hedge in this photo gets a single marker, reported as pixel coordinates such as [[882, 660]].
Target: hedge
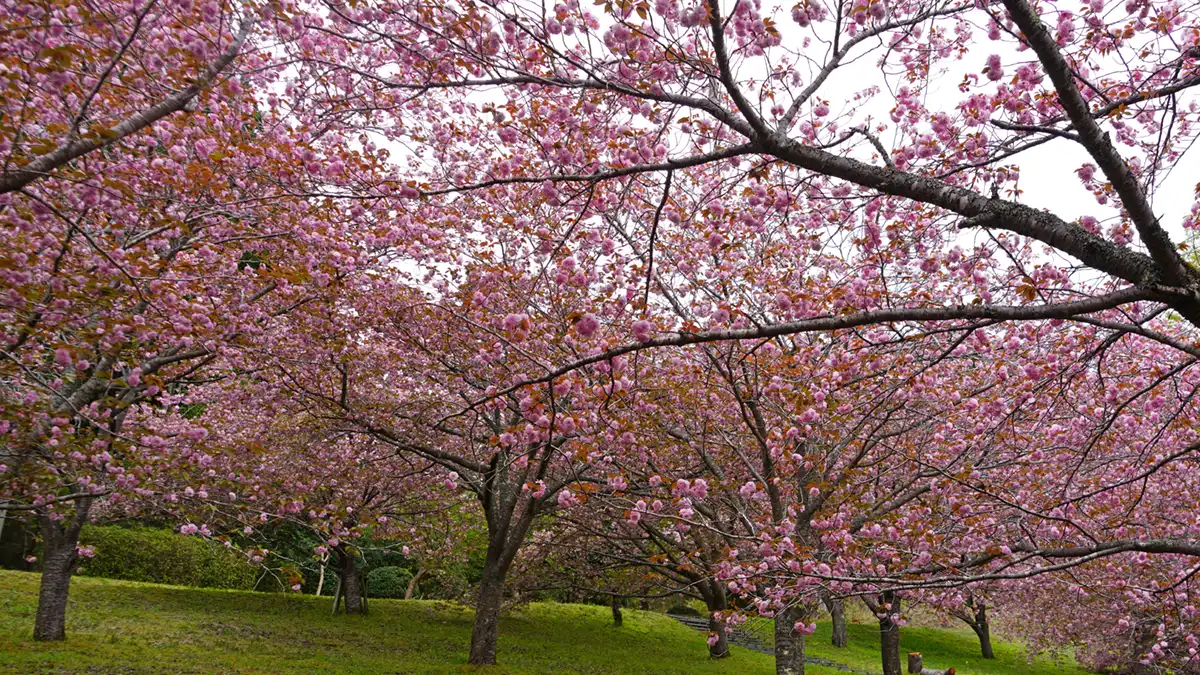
[[164, 557], [388, 582]]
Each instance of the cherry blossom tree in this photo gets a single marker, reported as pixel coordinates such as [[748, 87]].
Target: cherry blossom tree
[[673, 86], [266, 462], [649, 532], [157, 217], [488, 235], [1049, 482], [405, 371], [715, 126], [972, 609]]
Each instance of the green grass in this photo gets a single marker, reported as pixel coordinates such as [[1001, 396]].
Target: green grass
[[940, 648], [127, 627]]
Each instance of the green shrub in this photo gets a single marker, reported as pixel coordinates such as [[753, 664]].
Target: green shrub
[[162, 556], [270, 581], [445, 585], [312, 578], [331, 583], [388, 582]]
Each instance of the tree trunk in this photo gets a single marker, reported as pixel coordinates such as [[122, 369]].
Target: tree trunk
[[889, 633], [789, 645], [58, 563], [984, 631], [915, 663], [321, 579], [15, 540], [720, 648], [716, 601], [352, 583], [487, 612], [506, 533], [412, 583], [365, 591], [1146, 636], [837, 613], [616, 611]]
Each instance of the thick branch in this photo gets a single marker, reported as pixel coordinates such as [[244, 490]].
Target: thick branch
[[721, 54], [1070, 238], [19, 177], [668, 165], [1066, 310], [1100, 147]]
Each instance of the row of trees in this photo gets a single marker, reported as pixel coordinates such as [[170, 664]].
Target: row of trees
[[674, 295]]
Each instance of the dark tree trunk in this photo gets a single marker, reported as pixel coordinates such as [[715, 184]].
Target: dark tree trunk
[[507, 527], [59, 559], [984, 631], [15, 540], [789, 645], [58, 564], [716, 601], [351, 582], [837, 613], [487, 613], [616, 610], [720, 648], [975, 616], [1146, 637], [889, 633]]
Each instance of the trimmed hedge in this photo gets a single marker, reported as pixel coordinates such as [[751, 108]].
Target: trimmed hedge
[[164, 557], [388, 582]]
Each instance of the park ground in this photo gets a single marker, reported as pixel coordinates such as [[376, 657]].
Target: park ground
[[127, 627]]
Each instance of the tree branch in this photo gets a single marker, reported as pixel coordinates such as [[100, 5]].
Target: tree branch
[[1099, 145], [1066, 310], [25, 174]]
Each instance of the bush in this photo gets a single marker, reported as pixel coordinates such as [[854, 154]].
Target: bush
[[331, 583], [446, 585], [684, 610], [388, 582], [270, 581], [164, 557]]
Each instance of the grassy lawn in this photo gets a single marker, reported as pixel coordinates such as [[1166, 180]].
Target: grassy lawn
[[125, 627], [941, 648]]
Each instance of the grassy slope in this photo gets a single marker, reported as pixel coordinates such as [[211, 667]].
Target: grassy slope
[[124, 627], [117, 626]]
